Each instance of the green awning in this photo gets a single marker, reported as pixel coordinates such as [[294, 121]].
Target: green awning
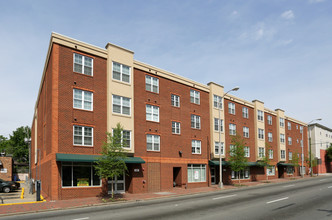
[[91, 158], [285, 164], [226, 163]]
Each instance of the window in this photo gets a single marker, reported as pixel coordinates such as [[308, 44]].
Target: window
[[289, 125], [195, 147], [282, 138], [269, 119], [175, 100], [245, 112], [195, 121], [194, 96], [271, 171], [196, 173], [83, 100], [243, 174], [152, 113], [83, 136], [261, 152], [216, 148], [121, 105], [218, 124], [231, 149], [121, 72], [79, 175], [270, 154], [290, 170], [246, 132], [290, 155], [83, 64], [282, 122], [289, 141], [246, 152], [232, 129], [217, 101], [231, 108], [151, 84], [260, 115], [297, 127], [269, 136], [301, 129], [260, 133], [152, 142], [125, 138], [283, 154], [176, 127]]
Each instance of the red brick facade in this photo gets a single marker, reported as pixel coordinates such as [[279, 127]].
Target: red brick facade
[[6, 167]]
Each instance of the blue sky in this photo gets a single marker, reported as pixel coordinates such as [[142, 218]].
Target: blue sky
[[276, 51]]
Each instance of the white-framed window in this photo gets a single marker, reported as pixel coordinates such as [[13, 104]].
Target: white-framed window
[[152, 113], [195, 121], [176, 127], [269, 119], [289, 141], [246, 132], [216, 148], [175, 100], [196, 173], [152, 142], [83, 64], [245, 112], [289, 125], [301, 129], [121, 72], [231, 149], [270, 154], [246, 151], [290, 170], [282, 138], [194, 97], [271, 170], [232, 129], [218, 124], [231, 108], [260, 133], [282, 122], [195, 146], [217, 101], [261, 152], [151, 84], [283, 154], [290, 155], [125, 138], [243, 174], [79, 175], [297, 127], [121, 105], [269, 136], [83, 136], [83, 99], [260, 115]]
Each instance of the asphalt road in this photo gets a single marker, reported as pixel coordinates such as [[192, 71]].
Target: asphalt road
[[304, 199]]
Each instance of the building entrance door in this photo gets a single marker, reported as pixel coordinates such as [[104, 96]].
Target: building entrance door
[[177, 176], [213, 175], [118, 184]]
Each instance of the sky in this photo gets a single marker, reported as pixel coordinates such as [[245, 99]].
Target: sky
[[276, 51]]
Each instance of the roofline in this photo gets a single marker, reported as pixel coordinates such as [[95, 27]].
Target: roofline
[[321, 126]]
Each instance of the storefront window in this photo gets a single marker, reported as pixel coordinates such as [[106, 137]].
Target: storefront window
[[79, 175], [196, 173], [243, 174]]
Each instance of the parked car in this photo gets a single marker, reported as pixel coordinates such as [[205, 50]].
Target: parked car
[[7, 186]]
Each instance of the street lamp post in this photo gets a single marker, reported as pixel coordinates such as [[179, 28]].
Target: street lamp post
[[219, 128]]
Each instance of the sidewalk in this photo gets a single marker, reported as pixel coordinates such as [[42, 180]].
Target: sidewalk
[[91, 201]]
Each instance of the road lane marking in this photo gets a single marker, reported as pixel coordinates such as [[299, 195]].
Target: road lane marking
[[288, 186], [81, 218], [277, 200], [329, 187], [223, 197], [322, 180]]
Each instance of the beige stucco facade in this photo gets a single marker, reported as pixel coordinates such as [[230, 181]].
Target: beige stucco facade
[[281, 130], [259, 124]]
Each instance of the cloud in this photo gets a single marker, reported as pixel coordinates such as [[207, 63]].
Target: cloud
[[288, 15]]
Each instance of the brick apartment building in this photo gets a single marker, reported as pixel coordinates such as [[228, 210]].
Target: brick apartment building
[[170, 124]]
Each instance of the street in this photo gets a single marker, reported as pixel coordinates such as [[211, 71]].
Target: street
[[303, 199]]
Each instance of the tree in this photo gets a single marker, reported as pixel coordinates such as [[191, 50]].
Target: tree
[[329, 152], [112, 163], [265, 161], [237, 159], [295, 159]]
